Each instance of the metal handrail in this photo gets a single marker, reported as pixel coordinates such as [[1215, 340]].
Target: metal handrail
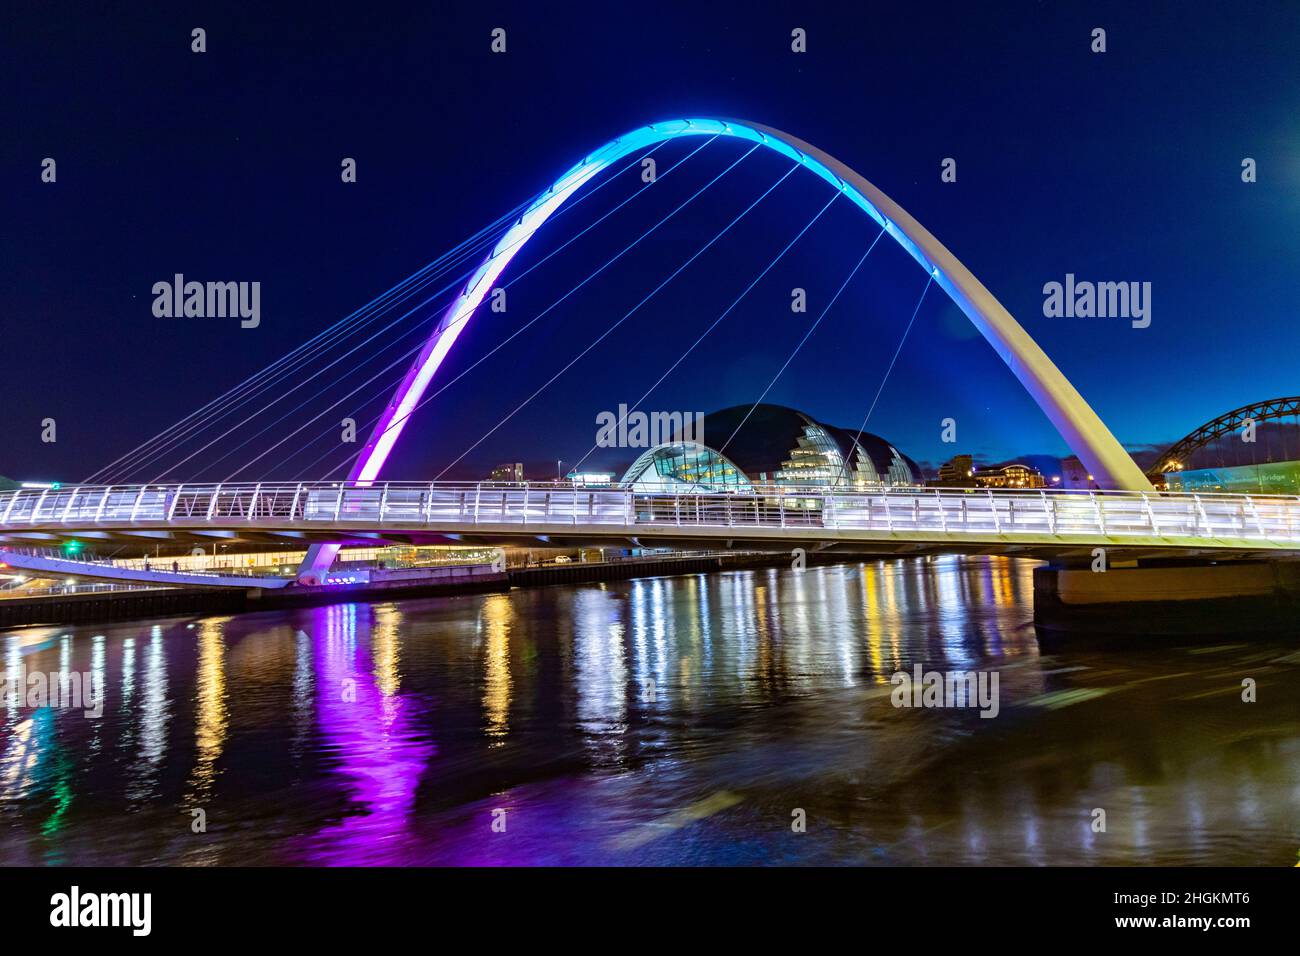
[[952, 512]]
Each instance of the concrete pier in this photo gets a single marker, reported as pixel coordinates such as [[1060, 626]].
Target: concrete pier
[[1169, 600]]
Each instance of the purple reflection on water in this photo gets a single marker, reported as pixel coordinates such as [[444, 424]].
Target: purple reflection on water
[[369, 732]]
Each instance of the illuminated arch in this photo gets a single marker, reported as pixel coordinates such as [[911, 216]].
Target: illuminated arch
[[1076, 422]]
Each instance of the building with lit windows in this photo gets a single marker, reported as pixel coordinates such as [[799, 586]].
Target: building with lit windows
[[957, 472], [961, 472], [756, 448], [590, 479], [1013, 475]]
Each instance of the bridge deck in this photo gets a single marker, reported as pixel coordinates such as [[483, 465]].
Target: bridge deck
[[1033, 522]]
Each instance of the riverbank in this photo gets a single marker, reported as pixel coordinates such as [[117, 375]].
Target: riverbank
[[105, 607]]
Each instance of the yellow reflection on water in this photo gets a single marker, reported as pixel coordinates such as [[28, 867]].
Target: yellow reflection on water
[[765, 664], [1000, 570], [497, 612], [212, 717], [386, 650], [869, 575]]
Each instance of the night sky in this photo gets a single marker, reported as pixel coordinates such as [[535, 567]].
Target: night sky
[[225, 166]]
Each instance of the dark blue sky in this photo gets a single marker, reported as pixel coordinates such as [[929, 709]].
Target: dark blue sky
[[225, 166]]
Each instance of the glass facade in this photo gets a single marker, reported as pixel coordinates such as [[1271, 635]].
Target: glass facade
[[685, 467], [782, 450], [819, 459], [816, 460]]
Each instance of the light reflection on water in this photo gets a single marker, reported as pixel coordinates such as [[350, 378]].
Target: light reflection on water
[[663, 720]]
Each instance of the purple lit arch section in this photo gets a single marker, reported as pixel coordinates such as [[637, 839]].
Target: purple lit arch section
[[1077, 423]]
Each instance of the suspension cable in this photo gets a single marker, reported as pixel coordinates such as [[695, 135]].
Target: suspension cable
[[467, 315], [600, 338], [779, 256], [296, 352], [806, 336], [199, 419], [858, 438], [397, 422]]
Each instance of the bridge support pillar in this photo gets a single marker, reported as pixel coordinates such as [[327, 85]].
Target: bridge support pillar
[[1166, 601]]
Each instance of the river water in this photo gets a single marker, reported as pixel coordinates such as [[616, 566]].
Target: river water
[[734, 718]]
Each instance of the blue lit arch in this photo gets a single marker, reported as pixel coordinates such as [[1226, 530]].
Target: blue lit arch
[[1080, 427]]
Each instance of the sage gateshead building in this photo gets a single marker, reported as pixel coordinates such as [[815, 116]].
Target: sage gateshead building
[[755, 449]]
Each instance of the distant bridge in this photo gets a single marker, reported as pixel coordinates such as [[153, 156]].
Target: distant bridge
[[1060, 525], [1178, 454]]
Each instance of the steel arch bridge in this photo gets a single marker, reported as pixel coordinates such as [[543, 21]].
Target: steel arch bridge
[[1181, 451], [1080, 427]]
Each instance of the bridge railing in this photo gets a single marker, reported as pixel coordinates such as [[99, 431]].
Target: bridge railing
[[950, 511]]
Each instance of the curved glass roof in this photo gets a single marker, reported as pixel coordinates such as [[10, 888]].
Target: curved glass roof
[[773, 436], [766, 444], [685, 467]]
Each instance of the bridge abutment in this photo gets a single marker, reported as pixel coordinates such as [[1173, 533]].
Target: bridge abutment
[[1168, 600]]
